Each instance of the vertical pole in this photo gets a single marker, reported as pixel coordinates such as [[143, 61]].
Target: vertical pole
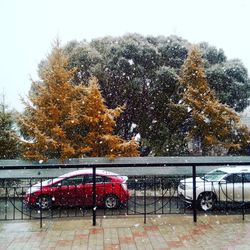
[[41, 209], [145, 204], [94, 196], [14, 203], [135, 196], [194, 193], [6, 202], [243, 197], [22, 204], [29, 195]]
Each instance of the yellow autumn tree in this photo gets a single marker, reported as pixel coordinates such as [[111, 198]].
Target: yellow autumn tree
[[101, 123], [212, 123], [62, 120]]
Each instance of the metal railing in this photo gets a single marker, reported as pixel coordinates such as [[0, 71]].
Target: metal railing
[[151, 192]]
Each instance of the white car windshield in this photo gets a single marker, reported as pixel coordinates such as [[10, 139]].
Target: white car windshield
[[215, 175]]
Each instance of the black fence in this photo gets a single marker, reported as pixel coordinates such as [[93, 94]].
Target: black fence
[[163, 186]]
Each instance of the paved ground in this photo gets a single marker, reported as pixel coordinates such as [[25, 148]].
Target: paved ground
[[160, 232]]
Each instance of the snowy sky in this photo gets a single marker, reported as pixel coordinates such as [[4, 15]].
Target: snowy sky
[[28, 28]]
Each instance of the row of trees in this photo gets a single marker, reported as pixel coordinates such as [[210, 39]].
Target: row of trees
[[150, 86], [144, 73]]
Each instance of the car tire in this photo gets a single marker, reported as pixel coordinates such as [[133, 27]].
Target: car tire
[[44, 202], [111, 201], [206, 201]]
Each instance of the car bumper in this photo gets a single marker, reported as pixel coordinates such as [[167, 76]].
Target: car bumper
[[29, 200], [186, 200], [184, 197]]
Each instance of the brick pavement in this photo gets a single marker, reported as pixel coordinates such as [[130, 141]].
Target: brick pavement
[[160, 232]]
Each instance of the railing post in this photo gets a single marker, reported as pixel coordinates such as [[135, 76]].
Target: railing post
[[94, 196], [41, 209], [145, 203], [194, 193], [243, 196], [6, 203]]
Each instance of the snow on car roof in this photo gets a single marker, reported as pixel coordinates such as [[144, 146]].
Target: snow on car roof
[[235, 169], [88, 171]]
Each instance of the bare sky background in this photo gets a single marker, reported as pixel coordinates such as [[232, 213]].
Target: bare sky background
[[28, 28]]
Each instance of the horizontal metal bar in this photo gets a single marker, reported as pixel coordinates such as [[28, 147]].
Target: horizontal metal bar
[[127, 162]]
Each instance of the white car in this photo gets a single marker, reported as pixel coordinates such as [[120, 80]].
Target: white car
[[226, 184]]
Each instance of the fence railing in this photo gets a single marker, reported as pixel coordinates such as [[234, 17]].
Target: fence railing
[[173, 188]]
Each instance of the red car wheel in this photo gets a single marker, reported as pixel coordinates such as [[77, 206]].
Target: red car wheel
[[44, 202], [111, 201]]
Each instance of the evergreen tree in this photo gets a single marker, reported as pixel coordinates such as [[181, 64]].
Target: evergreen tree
[[9, 141], [212, 123], [63, 121], [166, 128]]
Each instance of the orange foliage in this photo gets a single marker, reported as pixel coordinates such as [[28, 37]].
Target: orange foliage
[[213, 122], [67, 121]]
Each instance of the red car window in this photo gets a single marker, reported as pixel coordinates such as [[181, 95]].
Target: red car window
[[72, 181], [99, 179]]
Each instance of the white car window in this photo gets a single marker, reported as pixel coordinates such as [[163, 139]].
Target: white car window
[[234, 178], [215, 175], [246, 177]]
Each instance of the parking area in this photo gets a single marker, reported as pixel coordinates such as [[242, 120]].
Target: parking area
[[152, 217], [148, 195]]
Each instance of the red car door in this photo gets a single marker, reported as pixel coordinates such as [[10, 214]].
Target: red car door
[[102, 187], [68, 191]]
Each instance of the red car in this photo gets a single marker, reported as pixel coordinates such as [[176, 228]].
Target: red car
[[76, 189]]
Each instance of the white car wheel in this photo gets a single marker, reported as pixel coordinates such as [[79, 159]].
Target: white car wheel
[[207, 201]]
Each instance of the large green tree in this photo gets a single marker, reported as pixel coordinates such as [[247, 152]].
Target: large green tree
[[229, 78], [165, 130], [133, 73], [9, 141]]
